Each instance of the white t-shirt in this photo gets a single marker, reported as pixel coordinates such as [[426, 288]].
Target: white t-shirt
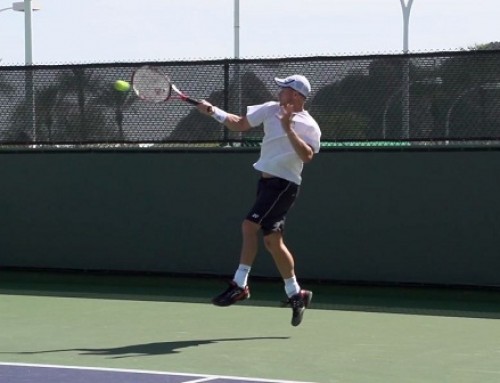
[[277, 155]]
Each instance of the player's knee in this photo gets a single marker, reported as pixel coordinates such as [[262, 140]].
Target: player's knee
[[249, 228], [272, 242]]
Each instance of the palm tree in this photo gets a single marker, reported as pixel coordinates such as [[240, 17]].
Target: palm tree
[[80, 84], [46, 101], [5, 88], [118, 102]]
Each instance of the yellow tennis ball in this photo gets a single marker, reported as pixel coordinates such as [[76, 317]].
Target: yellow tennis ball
[[122, 85]]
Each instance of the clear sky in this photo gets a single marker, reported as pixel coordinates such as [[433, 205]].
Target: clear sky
[[95, 31]]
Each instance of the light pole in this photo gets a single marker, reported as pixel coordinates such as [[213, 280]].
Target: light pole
[[31, 6], [237, 74], [27, 6], [406, 8], [236, 29]]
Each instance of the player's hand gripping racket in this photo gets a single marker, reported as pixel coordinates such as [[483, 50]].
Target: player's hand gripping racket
[[152, 85]]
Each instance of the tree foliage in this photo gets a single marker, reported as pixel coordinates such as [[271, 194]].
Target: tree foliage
[[449, 96]]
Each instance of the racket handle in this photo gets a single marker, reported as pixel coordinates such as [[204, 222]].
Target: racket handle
[[192, 101]]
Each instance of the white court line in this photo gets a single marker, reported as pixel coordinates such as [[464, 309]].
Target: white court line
[[203, 378], [200, 380]]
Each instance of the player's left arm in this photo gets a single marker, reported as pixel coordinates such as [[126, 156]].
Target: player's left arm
[[302, 148]]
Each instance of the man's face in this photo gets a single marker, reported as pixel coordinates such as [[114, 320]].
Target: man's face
[[287, 96]]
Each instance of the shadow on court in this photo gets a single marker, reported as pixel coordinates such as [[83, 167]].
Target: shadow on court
[[146, 349]]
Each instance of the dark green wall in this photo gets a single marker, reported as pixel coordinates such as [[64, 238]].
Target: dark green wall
[[394, 216]]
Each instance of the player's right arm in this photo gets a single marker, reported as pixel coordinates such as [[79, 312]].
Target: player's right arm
[[231, 121]]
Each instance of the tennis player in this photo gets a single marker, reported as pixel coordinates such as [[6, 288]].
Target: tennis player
[[291, 138]]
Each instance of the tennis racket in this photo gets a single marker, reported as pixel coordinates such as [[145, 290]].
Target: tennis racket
[[150, 84]]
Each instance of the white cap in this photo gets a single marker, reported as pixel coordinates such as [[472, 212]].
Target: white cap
[[296, 82]]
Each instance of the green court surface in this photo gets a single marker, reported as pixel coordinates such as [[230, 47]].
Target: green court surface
[[351, 334]]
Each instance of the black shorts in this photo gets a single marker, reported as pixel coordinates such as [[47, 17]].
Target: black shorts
[[275, 196]]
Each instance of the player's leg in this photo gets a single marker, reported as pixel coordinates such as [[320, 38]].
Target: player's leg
[[282, 257], [250, 242], [298, 299], [238, 289]]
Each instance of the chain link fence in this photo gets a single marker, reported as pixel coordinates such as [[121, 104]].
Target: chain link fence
[[451, 97]]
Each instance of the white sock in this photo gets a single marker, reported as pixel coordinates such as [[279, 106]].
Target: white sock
[[241, 275], [291, 286]]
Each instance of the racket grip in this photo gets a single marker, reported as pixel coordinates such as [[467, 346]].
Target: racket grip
[[192, 101]]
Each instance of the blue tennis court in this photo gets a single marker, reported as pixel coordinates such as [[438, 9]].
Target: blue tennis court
[[25, 373]]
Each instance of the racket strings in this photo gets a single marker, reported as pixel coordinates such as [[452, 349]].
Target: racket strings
[[151, 85]]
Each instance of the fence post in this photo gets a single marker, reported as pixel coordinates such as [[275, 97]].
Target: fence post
[[225, 136]]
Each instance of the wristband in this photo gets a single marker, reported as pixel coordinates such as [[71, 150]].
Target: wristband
[[219, 115]]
